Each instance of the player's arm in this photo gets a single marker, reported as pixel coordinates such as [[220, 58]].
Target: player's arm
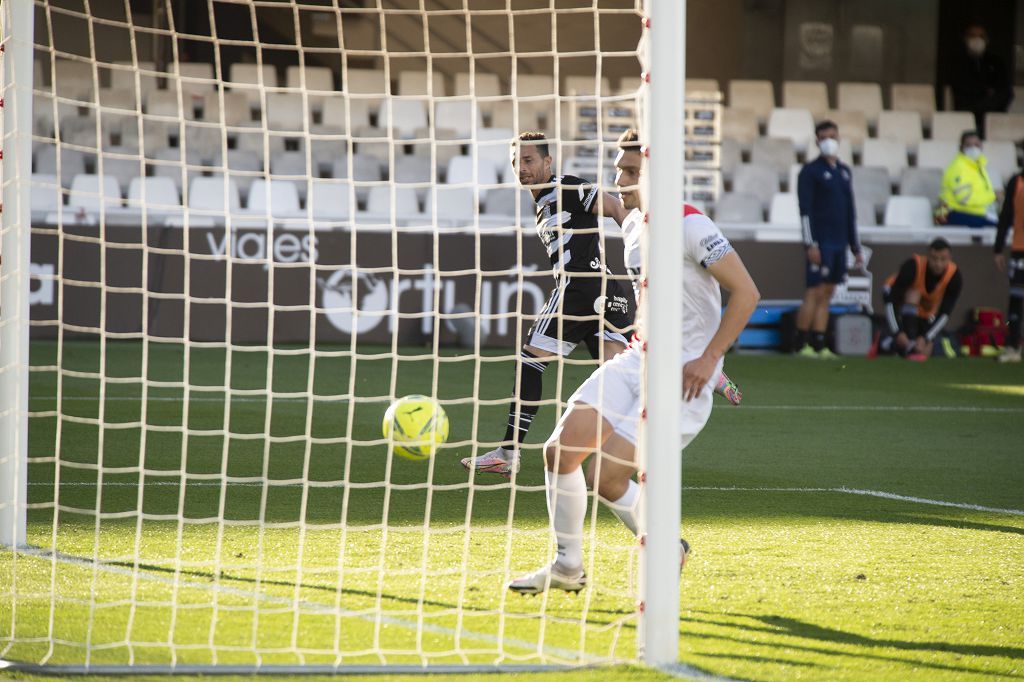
[[894, 295], [610, 207], [732, 274], [805, 197], [949, 299]]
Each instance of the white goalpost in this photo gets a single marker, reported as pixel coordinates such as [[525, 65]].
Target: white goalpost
[[233, 233]]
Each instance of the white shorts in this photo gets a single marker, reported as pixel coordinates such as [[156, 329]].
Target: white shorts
[[614, 389]]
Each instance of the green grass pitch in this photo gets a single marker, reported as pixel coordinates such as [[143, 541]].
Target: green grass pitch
[[792, 577]]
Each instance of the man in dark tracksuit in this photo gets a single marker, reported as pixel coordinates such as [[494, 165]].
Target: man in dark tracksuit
[[1012, 217], [825, 192]]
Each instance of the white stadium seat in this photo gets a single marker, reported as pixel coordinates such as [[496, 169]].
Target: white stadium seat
[[72, 162], [287, 112], [760, 181], [795, 124], [274, 198], [908, 212], [1002, 157], [453, 203], [904, 126], [406, 203], [864, 98], [46, 193], [919, 97], [417, 82], [502, 201], [730, 157], [330, 200], [810, 95], [405, 116], [756, 95], [950, 125], [94, 192], [702, 85], [784, 209], [867, 213], [461, 171], [586, 85], [123, 164], [740, 125], [853, 126], [889, 154], [936, 153], [774, 152], [74, 80], [738, 207], [194, 78], [485, 84], [922, 182], [1004, 126], [153, 193], [872, 183], [214, 194], [318, 78], [236, 108], [461, 116]]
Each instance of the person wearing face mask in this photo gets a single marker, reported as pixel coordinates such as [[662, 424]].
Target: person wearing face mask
[[825, 193], [980, 79], [968, 197]]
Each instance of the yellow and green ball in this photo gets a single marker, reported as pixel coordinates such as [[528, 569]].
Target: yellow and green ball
[[416, 425]]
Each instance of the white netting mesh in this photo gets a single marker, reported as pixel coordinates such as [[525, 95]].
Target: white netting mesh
[[256, 224]]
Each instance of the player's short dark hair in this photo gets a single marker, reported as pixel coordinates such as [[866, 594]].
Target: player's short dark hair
[[822, 126], [629, 141], [968, 133], [939, 244], [534, 138]]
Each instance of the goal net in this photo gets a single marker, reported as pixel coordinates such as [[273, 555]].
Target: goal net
[[254, 226]]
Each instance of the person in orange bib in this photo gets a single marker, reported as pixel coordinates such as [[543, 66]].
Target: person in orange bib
[[1012, 217], [919, 300]]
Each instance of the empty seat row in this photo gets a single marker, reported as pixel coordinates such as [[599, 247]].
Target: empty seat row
[[783, 211]]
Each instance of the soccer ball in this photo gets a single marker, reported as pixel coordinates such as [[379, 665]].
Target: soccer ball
[[416, 424]]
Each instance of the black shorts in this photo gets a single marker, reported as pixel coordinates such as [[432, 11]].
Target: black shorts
[[573, 314], [1015, 269]]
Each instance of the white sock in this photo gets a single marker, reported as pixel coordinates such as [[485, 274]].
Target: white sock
[[567, 507], [626, 507]]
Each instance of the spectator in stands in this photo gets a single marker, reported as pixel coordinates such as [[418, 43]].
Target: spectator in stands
[[967, 197], [1012, 216], [980, 79], [825, 193], [918, 302]]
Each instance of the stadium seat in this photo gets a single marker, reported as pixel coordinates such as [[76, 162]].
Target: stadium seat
[[701, 85], [872, 184], [324, 151], [366, 82], [740, 125], [863, 98], [502, 201], [919, 97], [853, 127], [236, 108], [287, 112], [122, 79], [774, 152], [404, 116], [214, 195], [456, 204], [412, 83], [156, 194], [756, 95], [794, 124], [124, 164], [908, 212], [936, 153], [867, 213], [194, 79], [365, 169], [809, 95], [922, 182], [330, 200], [256, 75], [585, 85], [904, 126], [784, 209], [950, 125], [406, 202], [737, 207], [461, 171], [72, 162], [460, 116], [539, 111], [485, 84], [74, 80], [889, 154], [78, 130], [274, 198], [318, 78], [258, 141], [1004, 127], [730, 157], [415, 170], [793, 177], [163, 103], [167, 163], [156, 135], [244, 166], [46, 196], [493, 144], [1002, 157], [341, 113], [289, 163], [202, 144], [42, 115], [94, 192], [120, 101], [759, 181]]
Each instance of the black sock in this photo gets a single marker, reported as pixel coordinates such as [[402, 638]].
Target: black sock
[[818, 341], [910, 327], [801, 338], [521, 412], [1016, 310]]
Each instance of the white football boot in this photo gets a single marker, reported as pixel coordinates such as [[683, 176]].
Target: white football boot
[[497, 461], [549, 577]]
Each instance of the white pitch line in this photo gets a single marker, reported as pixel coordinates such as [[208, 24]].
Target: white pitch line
[[843, 490], [878, 408], [302, 604]]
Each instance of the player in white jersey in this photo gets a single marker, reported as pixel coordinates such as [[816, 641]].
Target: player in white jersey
[[603, 415], [627, 165]]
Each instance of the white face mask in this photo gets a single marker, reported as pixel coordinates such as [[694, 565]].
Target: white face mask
[[973, 153], [829, 147], [976, 46]]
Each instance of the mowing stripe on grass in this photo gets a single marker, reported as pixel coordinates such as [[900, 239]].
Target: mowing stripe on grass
[[316, 607], [341, 399], [693, 488]]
